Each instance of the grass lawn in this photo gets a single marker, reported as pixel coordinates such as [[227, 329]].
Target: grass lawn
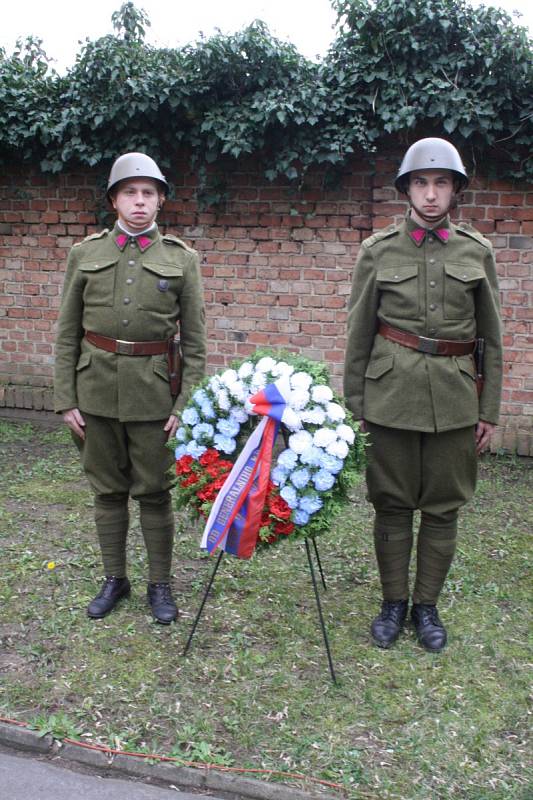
[[255, 690]]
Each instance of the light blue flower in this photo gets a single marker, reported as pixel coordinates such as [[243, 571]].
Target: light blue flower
[[190, 416], [181, 435], [208, 412], [203, 432], [199, 396], [310, 503], [180, 451], [228, 427], [194, 449], [300, 477], [331, 464], [287, 459], [300, 517], [225, 443], [312, 455], [323, 480], [279, 475], [289, 495]]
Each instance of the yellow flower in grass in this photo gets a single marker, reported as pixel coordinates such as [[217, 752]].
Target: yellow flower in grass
[[51, 565]]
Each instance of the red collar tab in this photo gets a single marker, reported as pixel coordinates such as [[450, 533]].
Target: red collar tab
[[144, 242], [419, 234]]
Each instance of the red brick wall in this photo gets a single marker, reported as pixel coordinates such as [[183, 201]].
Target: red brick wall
[[277, 266]]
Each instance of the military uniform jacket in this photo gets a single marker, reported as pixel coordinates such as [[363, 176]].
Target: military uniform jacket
[[135, 289], [440, 286]]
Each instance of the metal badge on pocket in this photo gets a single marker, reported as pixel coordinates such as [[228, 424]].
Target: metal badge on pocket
[[163, 286]]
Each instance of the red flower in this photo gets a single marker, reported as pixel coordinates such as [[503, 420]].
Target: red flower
[[278, 507], [183, 465], [209, 457], [284, 528], [192, 479]]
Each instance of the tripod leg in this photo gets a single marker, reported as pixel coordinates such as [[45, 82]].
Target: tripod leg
[[206, 594], [319, 607]]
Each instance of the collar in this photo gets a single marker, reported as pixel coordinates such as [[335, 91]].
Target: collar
[[144, 240], [418, 235]]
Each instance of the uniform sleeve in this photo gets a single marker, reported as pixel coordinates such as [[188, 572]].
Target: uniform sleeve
[[192, 332], [69, 336], [362, 324], [488, 326]]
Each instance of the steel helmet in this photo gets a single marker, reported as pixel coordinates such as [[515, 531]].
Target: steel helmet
[[135, 165], [431, 153]]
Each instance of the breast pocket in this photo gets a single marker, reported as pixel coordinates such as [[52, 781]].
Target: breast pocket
[[160, 286], [399, 293], [460, 283], [99, 282]]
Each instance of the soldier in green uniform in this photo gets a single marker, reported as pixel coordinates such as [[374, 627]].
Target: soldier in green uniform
[[128, 292], [423, 292]]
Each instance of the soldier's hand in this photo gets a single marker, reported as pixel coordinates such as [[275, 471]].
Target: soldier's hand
[[171, 426], [484, 431], [362, 426], [75, 422]]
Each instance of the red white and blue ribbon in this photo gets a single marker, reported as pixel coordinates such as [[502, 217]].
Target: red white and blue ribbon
[[235, 518]]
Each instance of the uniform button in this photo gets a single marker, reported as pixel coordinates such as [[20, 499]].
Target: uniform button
[[433, 331], [432, 284], [131, 263], [126, 301], [431, 260], [132, 244], [432, 307], [125, 322], [430, 240], [129, 280], [465, 276], [396, 277]]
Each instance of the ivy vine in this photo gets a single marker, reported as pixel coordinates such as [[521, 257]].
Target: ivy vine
[[397, 70]]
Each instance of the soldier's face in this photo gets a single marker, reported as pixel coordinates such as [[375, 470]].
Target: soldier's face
[[431, 192], [137, 203]]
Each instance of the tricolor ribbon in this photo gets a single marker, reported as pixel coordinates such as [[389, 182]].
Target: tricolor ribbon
[[235, 517]]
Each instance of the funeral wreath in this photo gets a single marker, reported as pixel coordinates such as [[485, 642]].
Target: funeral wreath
[[313, 454]]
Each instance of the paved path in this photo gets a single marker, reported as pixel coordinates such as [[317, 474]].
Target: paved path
[[23, 778]]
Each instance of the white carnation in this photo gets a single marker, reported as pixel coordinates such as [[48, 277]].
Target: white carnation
[[300, 441], [258, 382], [301, 380], [339, 449], [228, 377], [265, 364], [282, 368], [298, 399], [324, 437], [321, 394], [335, 412], [313, 416], [291, 419], [245, 370], [346, 433], [238, 391]]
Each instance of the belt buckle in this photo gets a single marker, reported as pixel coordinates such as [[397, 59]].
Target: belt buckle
[[427, 345], [124, 348]]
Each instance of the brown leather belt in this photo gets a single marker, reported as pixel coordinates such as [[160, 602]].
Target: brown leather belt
[[125, 348], [434, 347]]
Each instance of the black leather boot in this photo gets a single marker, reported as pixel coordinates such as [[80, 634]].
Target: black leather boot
[[429, 629], [163, 606], [386, 627], [111, 592]]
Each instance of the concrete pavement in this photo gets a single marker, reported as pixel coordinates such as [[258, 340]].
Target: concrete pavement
[[24, 778]]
